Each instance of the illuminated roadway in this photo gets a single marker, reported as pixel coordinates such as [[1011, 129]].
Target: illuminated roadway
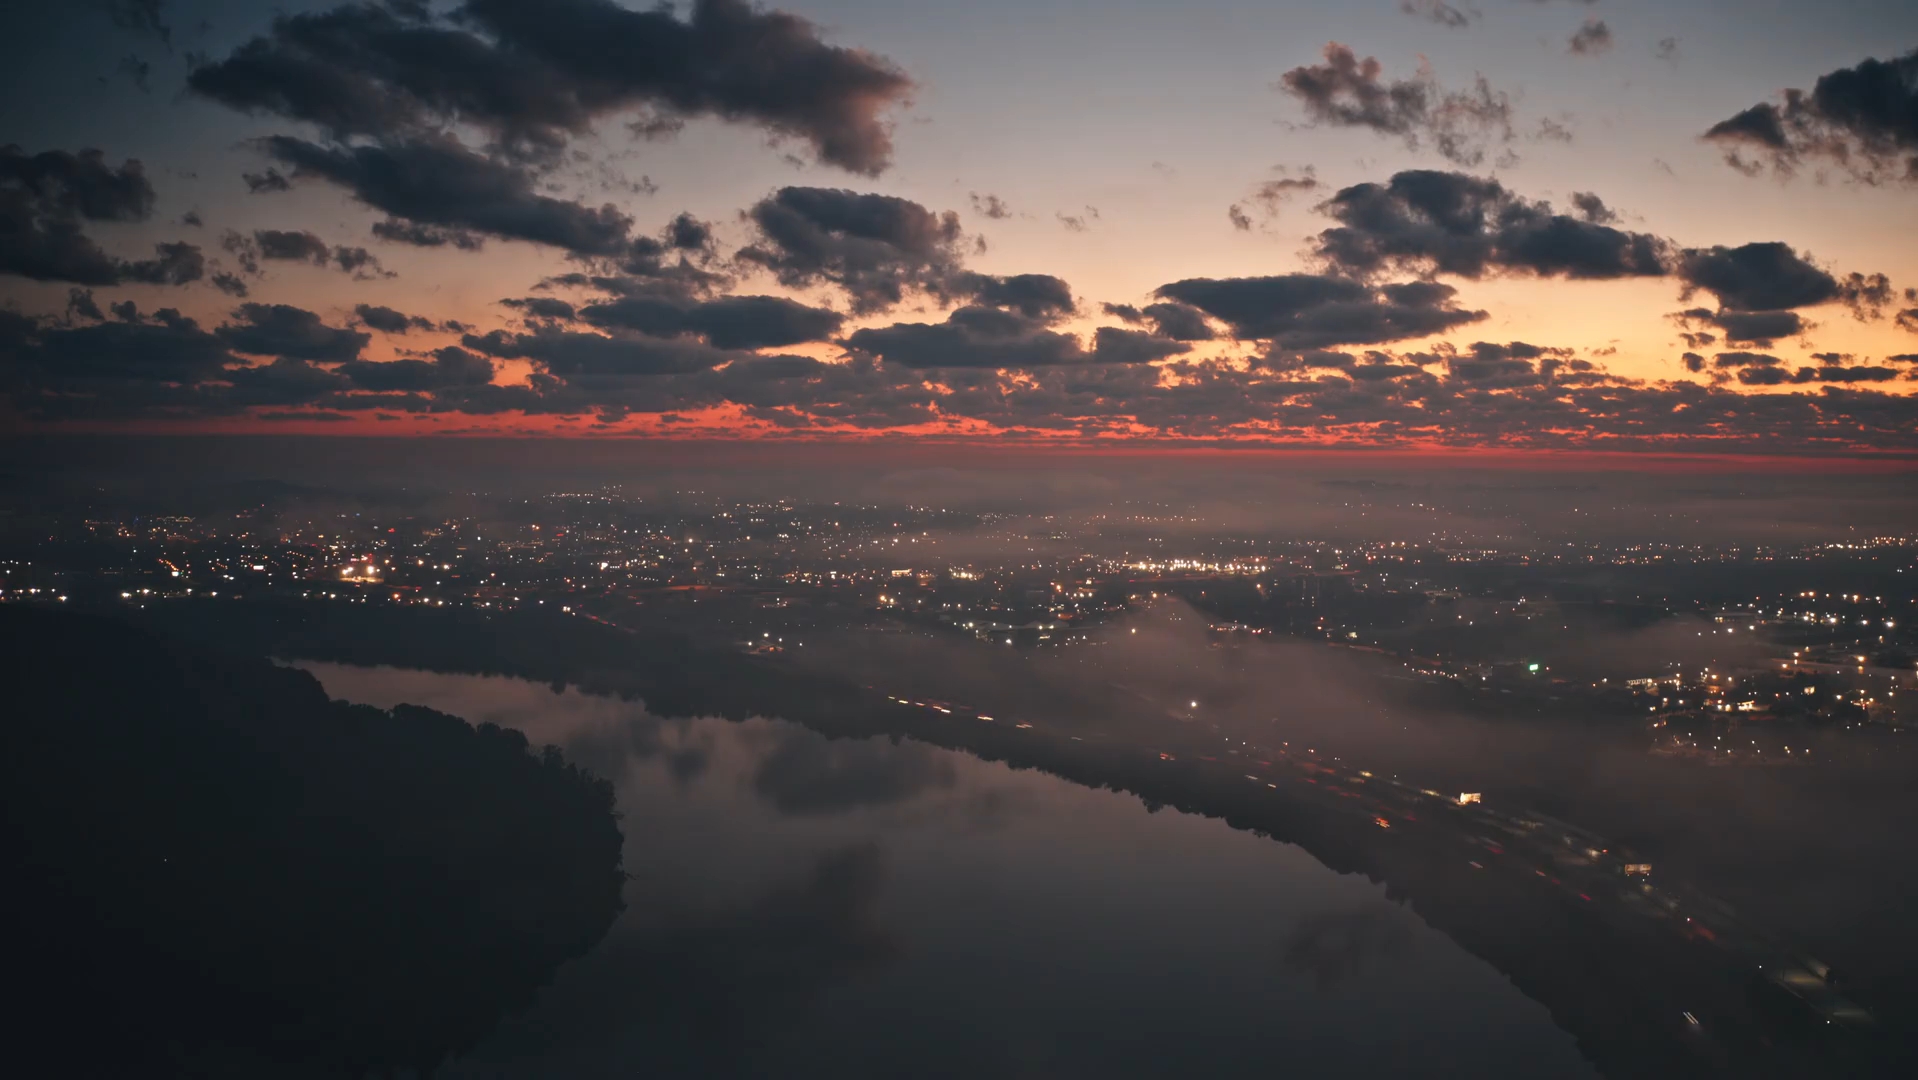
[[1652, 979]]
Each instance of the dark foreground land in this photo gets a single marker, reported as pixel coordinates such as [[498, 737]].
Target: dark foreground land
[[217, 871]]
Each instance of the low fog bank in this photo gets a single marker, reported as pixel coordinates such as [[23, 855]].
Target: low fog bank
[[1817, 853], [1118, 496]]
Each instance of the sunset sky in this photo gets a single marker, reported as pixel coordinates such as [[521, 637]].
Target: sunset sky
[[1619, 225]]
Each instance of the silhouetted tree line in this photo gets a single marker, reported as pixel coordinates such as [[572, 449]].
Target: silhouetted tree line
[[218, 871], [673, 675]]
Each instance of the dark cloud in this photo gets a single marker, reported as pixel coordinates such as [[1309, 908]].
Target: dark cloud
[[569, 354], [1867, 295], [1373, 372], [875, 247], [1432, 222], [1427, 221], [230, 284], [991, 206], [1111, 345], [1759, 328], [126, 366], [1860, 373], [389, 321], [80, 304], [1666, 50], [1440, 12], [192, 217], [1345, 91], [428, 236], [534, 73], [266, 182], [47, 198], [1487, 363], [177, 263], [1747, 359], [1038, 296], [542, 307], [986, 339], [1778, 376], [291, 245], [687, 233], [244, 249], [1511, 393], [1593, 209], [678, 261], [1303, 311], [1590, 39], [287, 331], [971, 337], [360, 263], [1767, 276], [1179, 322], [1861, 119], [451, 366], [729, 322], [282, 382], [436, 182]]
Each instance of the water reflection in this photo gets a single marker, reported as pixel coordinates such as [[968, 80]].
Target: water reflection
[[1335, 946], [800, 907]]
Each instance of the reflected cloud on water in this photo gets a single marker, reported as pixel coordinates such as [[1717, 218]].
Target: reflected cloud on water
[[803, 906]]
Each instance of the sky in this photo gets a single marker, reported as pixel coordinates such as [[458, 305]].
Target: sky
[[1511, 225]]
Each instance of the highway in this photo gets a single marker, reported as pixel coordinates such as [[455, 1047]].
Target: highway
[[1653, 978]]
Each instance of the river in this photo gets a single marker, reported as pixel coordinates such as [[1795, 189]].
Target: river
[[799, 906]]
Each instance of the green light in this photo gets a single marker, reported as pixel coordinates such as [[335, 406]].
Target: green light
[[1534, 667]]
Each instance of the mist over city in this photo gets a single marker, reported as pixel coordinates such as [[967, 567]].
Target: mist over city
[[1054, 539]]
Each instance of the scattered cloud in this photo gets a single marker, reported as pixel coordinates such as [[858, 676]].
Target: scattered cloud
[[1078, 222], [991, 206], [48, 199], [1427, 221], [389, 321], [1862, 120], [1590, 39], [533, 74], [283, 330], [728, 322], [265, 182], [1269, 195], [1302, 311], [1440, 12], [874, 247], [1345, 91], [437, 182]]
